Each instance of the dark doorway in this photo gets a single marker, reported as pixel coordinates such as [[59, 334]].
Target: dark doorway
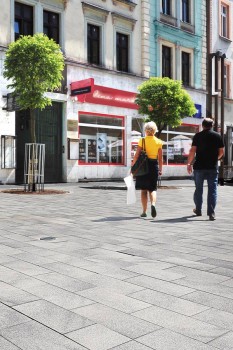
[[49, 132]]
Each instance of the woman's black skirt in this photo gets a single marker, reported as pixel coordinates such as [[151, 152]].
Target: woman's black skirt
[[149, 181]]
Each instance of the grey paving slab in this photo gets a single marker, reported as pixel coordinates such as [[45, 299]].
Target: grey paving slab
[[97, 337], [131, 345], [69, 270], [10, 295], [223, 271], [53, 316], [187, 326], [67, 283], [32, 258], [150, 270], [165, 339], [26, 268], [118, 286], [9, 317], [33, 335], [208, 299], [6, 345], [216, 317], [161, 286], [189, 263], [169, 302], [6, 258], [117, 321], [114, 300], [224, 343], [8, 250]]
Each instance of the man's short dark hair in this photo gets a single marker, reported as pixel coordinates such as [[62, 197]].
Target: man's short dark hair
[[207, 123]]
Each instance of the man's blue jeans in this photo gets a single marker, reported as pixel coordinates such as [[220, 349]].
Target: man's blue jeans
[[211, 175]]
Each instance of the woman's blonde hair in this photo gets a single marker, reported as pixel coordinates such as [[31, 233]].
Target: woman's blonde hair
[[151, 128]]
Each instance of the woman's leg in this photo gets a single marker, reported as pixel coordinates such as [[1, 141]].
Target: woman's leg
[[144, 200], [153, 196]]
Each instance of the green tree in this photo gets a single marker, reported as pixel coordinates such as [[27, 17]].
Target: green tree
[[33, 65], [164, 101]]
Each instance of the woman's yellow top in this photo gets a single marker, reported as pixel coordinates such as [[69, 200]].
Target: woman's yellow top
[[152, 145]]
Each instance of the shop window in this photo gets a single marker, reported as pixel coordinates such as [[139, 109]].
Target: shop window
[[51, 25], [122, 51], [185, 61], [166, 7], [101, 139], [166, 62], [23, 24], [8, 152], [177, 143], [93, 44], [185, 7]]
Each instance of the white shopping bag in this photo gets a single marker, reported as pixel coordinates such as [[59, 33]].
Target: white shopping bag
[[131, 192]]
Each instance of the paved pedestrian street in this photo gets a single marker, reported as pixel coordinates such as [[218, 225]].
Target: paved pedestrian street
[[82, 271]]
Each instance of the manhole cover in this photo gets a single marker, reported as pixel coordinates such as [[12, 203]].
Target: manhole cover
[[47, 238]]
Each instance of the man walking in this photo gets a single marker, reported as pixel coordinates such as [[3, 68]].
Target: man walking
[[208, 147]]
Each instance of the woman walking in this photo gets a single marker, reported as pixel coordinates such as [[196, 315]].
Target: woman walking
[[148, 183]]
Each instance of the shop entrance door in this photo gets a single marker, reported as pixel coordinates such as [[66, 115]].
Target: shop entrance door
[[49, 132]]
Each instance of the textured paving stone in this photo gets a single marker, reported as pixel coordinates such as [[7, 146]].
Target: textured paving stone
[[55, 317], [114, 300], [9, 317], [32, 335], [117, 321], [6, 345], [26, 268], [13, 296], [131, 345], [168, 340], [216, 317], [224, 343], [97, 337], [187, 326], [169, 302]]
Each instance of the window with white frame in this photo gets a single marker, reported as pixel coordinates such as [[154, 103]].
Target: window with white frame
[[101, 139], [225, 20], [51, 25], [185, 11], [185, 68], [122, 52], [23, 21], [93, 43], [166, 7], [166, 61]]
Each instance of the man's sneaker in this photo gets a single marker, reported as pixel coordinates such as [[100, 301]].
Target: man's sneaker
[[143, 215], [153, 211], [212, 217], [197, 213]]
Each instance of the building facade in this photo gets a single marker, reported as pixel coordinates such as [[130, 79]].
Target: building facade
[[87, 130]]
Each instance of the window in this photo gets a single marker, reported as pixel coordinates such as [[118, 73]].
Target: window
[[185, 68], [8, 147], [224, 20], [166, 62], [93, 44], [227, 80], [166, 7], [51, 25], [185, 11], [101, 139], [23, 20], [122, 52], [177, 143]]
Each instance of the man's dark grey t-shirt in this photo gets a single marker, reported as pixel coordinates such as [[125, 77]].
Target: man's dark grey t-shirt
[[208, 143]]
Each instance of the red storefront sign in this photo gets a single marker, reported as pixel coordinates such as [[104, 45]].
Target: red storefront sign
[[103, 95]]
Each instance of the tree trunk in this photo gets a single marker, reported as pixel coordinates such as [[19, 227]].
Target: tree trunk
[[33, 140], [33, 125]]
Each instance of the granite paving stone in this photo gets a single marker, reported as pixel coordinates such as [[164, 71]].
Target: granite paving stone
[[116, 320], [224, 342], [114, 300], [10, 295], [162, 284], [164, 339], [169, 302], [6, 345], [67, 283], [53, 316], [97, 337], [9, 317], [33, 335], [187, 326], [211, 300]]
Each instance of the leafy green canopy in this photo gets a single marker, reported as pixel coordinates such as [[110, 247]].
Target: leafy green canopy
[[34, 65], [164, 101]]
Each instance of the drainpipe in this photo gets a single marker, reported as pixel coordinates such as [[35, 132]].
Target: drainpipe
[[208, 60]]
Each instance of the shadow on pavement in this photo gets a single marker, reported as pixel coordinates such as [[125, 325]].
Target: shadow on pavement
[[116, 218], [181, 219]]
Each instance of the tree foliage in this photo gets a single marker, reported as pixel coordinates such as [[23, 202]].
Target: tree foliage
[[164, 101], [34, 65]]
